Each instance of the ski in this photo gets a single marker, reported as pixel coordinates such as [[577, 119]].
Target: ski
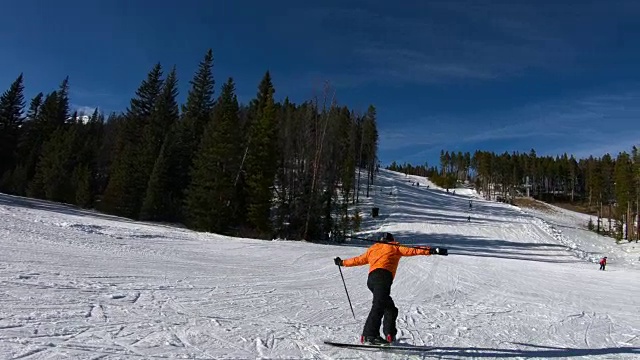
[[380, 347]]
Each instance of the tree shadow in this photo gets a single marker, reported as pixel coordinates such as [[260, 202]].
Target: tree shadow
[[66, 209], [403, 202], [537, 352], [45, 205], [429, 218]]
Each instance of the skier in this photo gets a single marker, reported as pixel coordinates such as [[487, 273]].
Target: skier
[[603, 263], [383, 261]]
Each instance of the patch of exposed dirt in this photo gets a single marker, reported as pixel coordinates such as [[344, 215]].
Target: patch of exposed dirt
[[584, 209], [533, 204]]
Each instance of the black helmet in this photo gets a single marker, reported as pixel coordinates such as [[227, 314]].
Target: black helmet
[[387, 237]]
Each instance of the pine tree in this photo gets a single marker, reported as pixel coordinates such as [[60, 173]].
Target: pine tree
[[607, 173], [143, 105], [48, 119], [197, 110], [52, 180], [50, 144], [155, 165], [636, 176], [196, 115], [370, 139], [261, 157], [162, 118], [159, 203], [573, 176], [82, 186], [63, 102], [624, 189], [346, 150], [590, 169], [127, 184], [34, 107], [211, 195], [171, 173], [285, 166], [16, 181], [85, 175], [11, 119], [106, 151], [336, 173]]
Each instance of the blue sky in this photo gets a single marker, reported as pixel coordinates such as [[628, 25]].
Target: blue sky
[[460, 75]]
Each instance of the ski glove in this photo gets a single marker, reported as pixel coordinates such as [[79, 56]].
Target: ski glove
[[438, 251], [338, 261]]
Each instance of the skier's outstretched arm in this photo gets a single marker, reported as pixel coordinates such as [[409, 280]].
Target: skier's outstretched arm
[[424, 250], [413, 251], [354, 261]]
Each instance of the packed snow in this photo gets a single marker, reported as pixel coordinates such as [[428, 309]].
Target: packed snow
[[518, 283]]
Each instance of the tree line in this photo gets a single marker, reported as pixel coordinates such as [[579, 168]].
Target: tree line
[[265, 169], [606, 186], [454, 168]]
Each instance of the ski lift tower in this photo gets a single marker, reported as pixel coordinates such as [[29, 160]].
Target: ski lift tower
[[527, 186]]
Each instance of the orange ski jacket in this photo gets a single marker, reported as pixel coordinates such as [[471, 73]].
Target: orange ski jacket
[[385, 256]]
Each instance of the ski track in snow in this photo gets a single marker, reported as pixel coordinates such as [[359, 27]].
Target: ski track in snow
[[518, 284]]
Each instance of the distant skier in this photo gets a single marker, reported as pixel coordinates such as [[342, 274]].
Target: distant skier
[[470, 206], [383, 259], [603, 263]]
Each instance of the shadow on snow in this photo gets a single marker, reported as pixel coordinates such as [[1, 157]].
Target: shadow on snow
[[538, 352], [466, 245], [66, 209]]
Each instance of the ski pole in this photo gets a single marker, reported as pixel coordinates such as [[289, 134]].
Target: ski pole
[[345, 290], [399, 245], [382, 242]]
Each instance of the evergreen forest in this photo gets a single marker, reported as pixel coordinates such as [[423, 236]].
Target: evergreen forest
[[267, 169]]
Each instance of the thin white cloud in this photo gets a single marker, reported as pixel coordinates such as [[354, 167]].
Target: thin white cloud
[[108, 101], [443, 42], [83, 93], [406, 65], [599, 146], [592, 125], [83, 109]]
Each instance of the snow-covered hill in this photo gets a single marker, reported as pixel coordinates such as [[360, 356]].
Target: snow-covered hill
[[518, 284]]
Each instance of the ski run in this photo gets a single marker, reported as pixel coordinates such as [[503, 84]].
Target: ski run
[[518, 283]]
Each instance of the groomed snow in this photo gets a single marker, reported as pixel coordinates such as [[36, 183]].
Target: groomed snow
[[518, 284]]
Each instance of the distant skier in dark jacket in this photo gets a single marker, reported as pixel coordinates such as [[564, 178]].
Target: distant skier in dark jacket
[[383, 259], [603, 263]]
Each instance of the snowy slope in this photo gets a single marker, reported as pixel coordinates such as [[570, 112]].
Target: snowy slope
[[82, 285], [571, 228]]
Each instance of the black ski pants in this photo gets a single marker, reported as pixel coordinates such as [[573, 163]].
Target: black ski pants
[[602, 266], [379, 282]]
